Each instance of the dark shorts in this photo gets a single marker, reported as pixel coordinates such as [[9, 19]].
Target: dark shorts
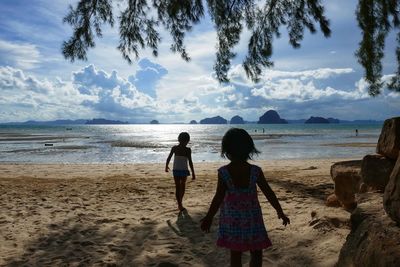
[[180, 173]]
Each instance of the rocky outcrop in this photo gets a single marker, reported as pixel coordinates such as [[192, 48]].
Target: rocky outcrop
[[193, 122], [365, 188], [154, 122], [391, 197], [389, 140], [376, 170], [316, 120], [332, 201], [374, 238], [271, 117], [346, 176], [214, 120], [237, 120]]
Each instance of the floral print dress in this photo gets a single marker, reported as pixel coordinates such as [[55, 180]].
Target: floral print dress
[[241, 225]]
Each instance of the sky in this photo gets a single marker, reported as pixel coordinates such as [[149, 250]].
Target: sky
[[322, 78]]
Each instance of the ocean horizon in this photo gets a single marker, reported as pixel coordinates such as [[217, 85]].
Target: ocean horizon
[[145, 143]]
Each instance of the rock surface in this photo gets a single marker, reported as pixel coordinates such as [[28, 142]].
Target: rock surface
[[376, 170], [332, 201], [365, 188], [214, 120], [347, 178], [391, 197], [389, 140], [271, 117], [237, 120], [154, 122], [374, 239], [193, 122]]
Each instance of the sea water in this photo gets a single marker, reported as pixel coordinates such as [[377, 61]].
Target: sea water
[[152, 143]]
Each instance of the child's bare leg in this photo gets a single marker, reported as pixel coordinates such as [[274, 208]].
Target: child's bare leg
[[182, 189], [236, 258], [256, 258], [178, 192]]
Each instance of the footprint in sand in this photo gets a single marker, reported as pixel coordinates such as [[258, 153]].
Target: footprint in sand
[[167, 264], [175, 251], [87, 243]]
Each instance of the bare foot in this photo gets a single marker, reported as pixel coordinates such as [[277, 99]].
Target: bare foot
[[181, 208]]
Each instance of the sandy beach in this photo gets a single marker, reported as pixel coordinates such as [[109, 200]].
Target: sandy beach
[[126, 215]]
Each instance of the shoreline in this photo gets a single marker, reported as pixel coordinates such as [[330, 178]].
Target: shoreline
[[99, 214]]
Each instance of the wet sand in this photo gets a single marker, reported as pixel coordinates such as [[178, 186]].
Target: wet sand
[[352, 145], [126, 215]]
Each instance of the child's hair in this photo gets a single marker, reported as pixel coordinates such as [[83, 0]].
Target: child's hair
[[183, 137], [238, 144]]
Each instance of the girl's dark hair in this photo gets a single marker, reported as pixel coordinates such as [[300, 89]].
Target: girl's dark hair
[[183, 137], [238, 144]]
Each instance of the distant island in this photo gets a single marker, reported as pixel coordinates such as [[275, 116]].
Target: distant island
[[316, 120], [271, 117], [237, 120], [321, 120], [53, 122], [104, 121], [214, 120], [333, 120]]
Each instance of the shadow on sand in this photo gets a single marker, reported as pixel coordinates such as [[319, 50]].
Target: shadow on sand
[[80, 241], [74, 244], [319, 192], [88, 241]]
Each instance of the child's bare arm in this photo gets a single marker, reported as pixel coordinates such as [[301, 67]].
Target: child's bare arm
[[215, 204], [169, 159], [270, 195], [191, 164]]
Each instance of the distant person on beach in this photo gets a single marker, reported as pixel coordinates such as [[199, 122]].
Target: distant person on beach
[[241, 225], [356, 132], [183, 156]]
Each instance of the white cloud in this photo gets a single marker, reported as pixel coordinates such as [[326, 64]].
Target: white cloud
[[295, 86], [147, 77], [299, 91], [19, 55], [94, 92], [202, 46], [238, 75], [113, 95], [90, 93], [15, 79], [24, 97]]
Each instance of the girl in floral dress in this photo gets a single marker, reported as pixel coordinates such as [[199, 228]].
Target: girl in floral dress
[[241, 225]]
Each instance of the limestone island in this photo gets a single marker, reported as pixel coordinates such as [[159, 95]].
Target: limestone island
[[214, 120], [237, 120], [271, 117]]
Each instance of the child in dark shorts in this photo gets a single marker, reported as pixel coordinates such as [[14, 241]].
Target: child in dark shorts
[[182, 156]]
